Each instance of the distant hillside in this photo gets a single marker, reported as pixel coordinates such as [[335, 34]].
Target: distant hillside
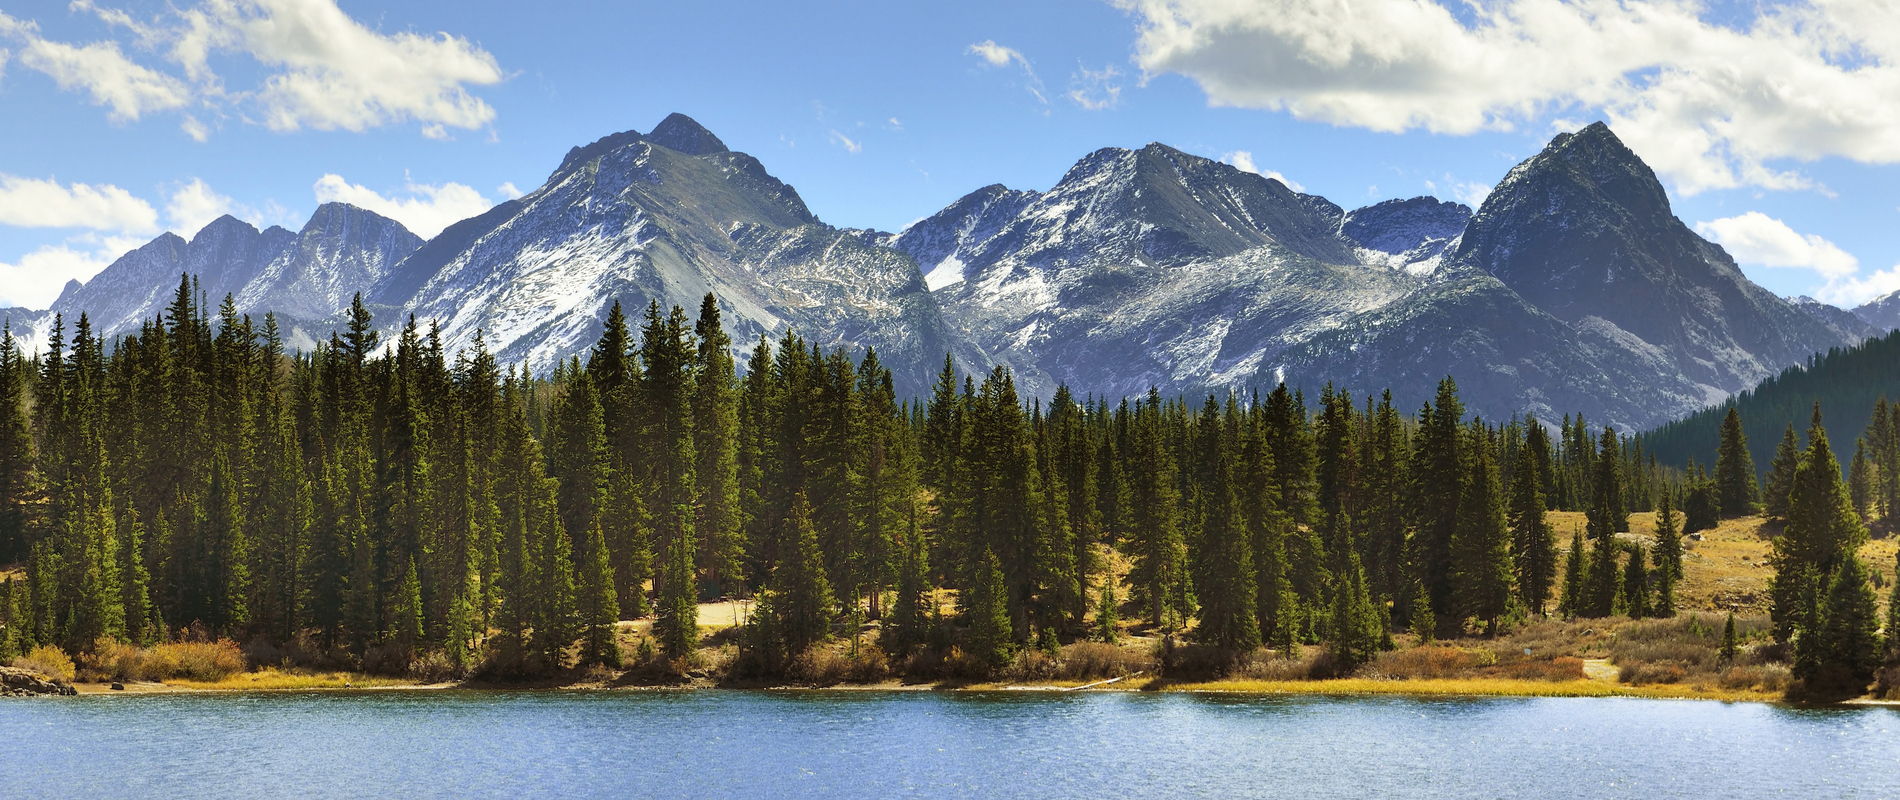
[[1845, 381]]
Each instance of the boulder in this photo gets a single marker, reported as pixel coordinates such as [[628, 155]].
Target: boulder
[[16, 682]]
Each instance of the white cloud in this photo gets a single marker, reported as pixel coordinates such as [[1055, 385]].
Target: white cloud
[[195, 129], [1756, 238], [996, 55], [323, 69], [46, 203], [1243, 159], [509, 190], [35, 280], [425, 211], [850, 145], [1850, 292], [100, 69], [1095, 89], [194, 205], [1709, 104], [1470, 193], [894, 124]]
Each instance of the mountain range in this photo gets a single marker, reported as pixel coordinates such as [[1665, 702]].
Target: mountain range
[[1573, 288]]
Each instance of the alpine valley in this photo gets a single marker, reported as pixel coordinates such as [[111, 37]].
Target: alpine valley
[[1573, 289]]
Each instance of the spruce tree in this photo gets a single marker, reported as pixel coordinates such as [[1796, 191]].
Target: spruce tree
[[715, 405], [1734, 469], [1781, 476], [1602, 583], [1533, 547], [1844, 650], [1668, 558], [1570, 603], [1481, 543], [599, 605], [1635, 600], [1356, 629], [987, 641], [910, 615], [1107, 613], [802, 594], [1860, 480], [1822, 531], [1731, 646], [1438, 469], [1606, 514]]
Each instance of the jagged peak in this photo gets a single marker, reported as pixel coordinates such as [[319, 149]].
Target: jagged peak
[[684, 134], [340, 213], [577, 156], [221, 225]]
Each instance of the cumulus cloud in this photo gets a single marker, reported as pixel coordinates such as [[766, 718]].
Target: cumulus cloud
[[99, 69], [508, 190], [194, 205], [322, 69], [424, 209], [47, 203], [1757, 239], [35, 279], [1243, 159], [996, 55], [849, 144], [1711, 104]]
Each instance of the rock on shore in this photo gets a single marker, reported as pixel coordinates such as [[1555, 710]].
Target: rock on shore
[[16, 682]]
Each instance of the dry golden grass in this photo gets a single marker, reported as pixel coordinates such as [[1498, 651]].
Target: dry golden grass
[[1728, 569], [1473, 687], [273, 679]]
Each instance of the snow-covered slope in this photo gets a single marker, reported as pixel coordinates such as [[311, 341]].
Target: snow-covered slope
[[668, 217]]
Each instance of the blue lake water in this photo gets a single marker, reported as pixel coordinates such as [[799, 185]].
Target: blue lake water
[[574, 744]]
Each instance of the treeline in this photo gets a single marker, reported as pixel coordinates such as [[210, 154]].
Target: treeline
[[379, 503], [1847, 381]]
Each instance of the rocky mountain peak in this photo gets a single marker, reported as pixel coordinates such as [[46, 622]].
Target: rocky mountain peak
[[1397, 227], [682, 133]]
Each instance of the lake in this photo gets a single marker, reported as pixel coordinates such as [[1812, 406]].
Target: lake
[[852, 744]]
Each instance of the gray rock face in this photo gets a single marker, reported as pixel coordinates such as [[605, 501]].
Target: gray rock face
[[1883, 313], [1405, 231], [16, 682], [1837, 318], [309, 275], [1574, 288], [1584, 231], [667, 218]]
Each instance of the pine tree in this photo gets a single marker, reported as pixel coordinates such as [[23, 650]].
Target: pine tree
[[1731, 646], [1781, 476], [1355, 629], [1533, 545], [1227, 618], [1844, 650], [1893, 614], [1606, 514], [1822, 531], [1860, 480], [1635, 599], [1602, 583], [911, 613], [1734, 469], [715, 406], [667, 356], [987, 640], [1160, 571], [599, 606], [405, 621], [1438, 469], [802, 595], [1668, 558], [1571, 602], [1481, 543], [1107, 613]]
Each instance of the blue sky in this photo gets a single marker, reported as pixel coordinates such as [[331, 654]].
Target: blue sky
[[127, 118]]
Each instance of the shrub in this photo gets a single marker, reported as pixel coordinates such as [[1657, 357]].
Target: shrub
[[1097, 660], [1427, 662], [198, 661], [48, 660], [1269, 665], [824, 665]]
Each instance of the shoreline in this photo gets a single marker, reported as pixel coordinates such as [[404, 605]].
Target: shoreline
[[1336, 687]]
